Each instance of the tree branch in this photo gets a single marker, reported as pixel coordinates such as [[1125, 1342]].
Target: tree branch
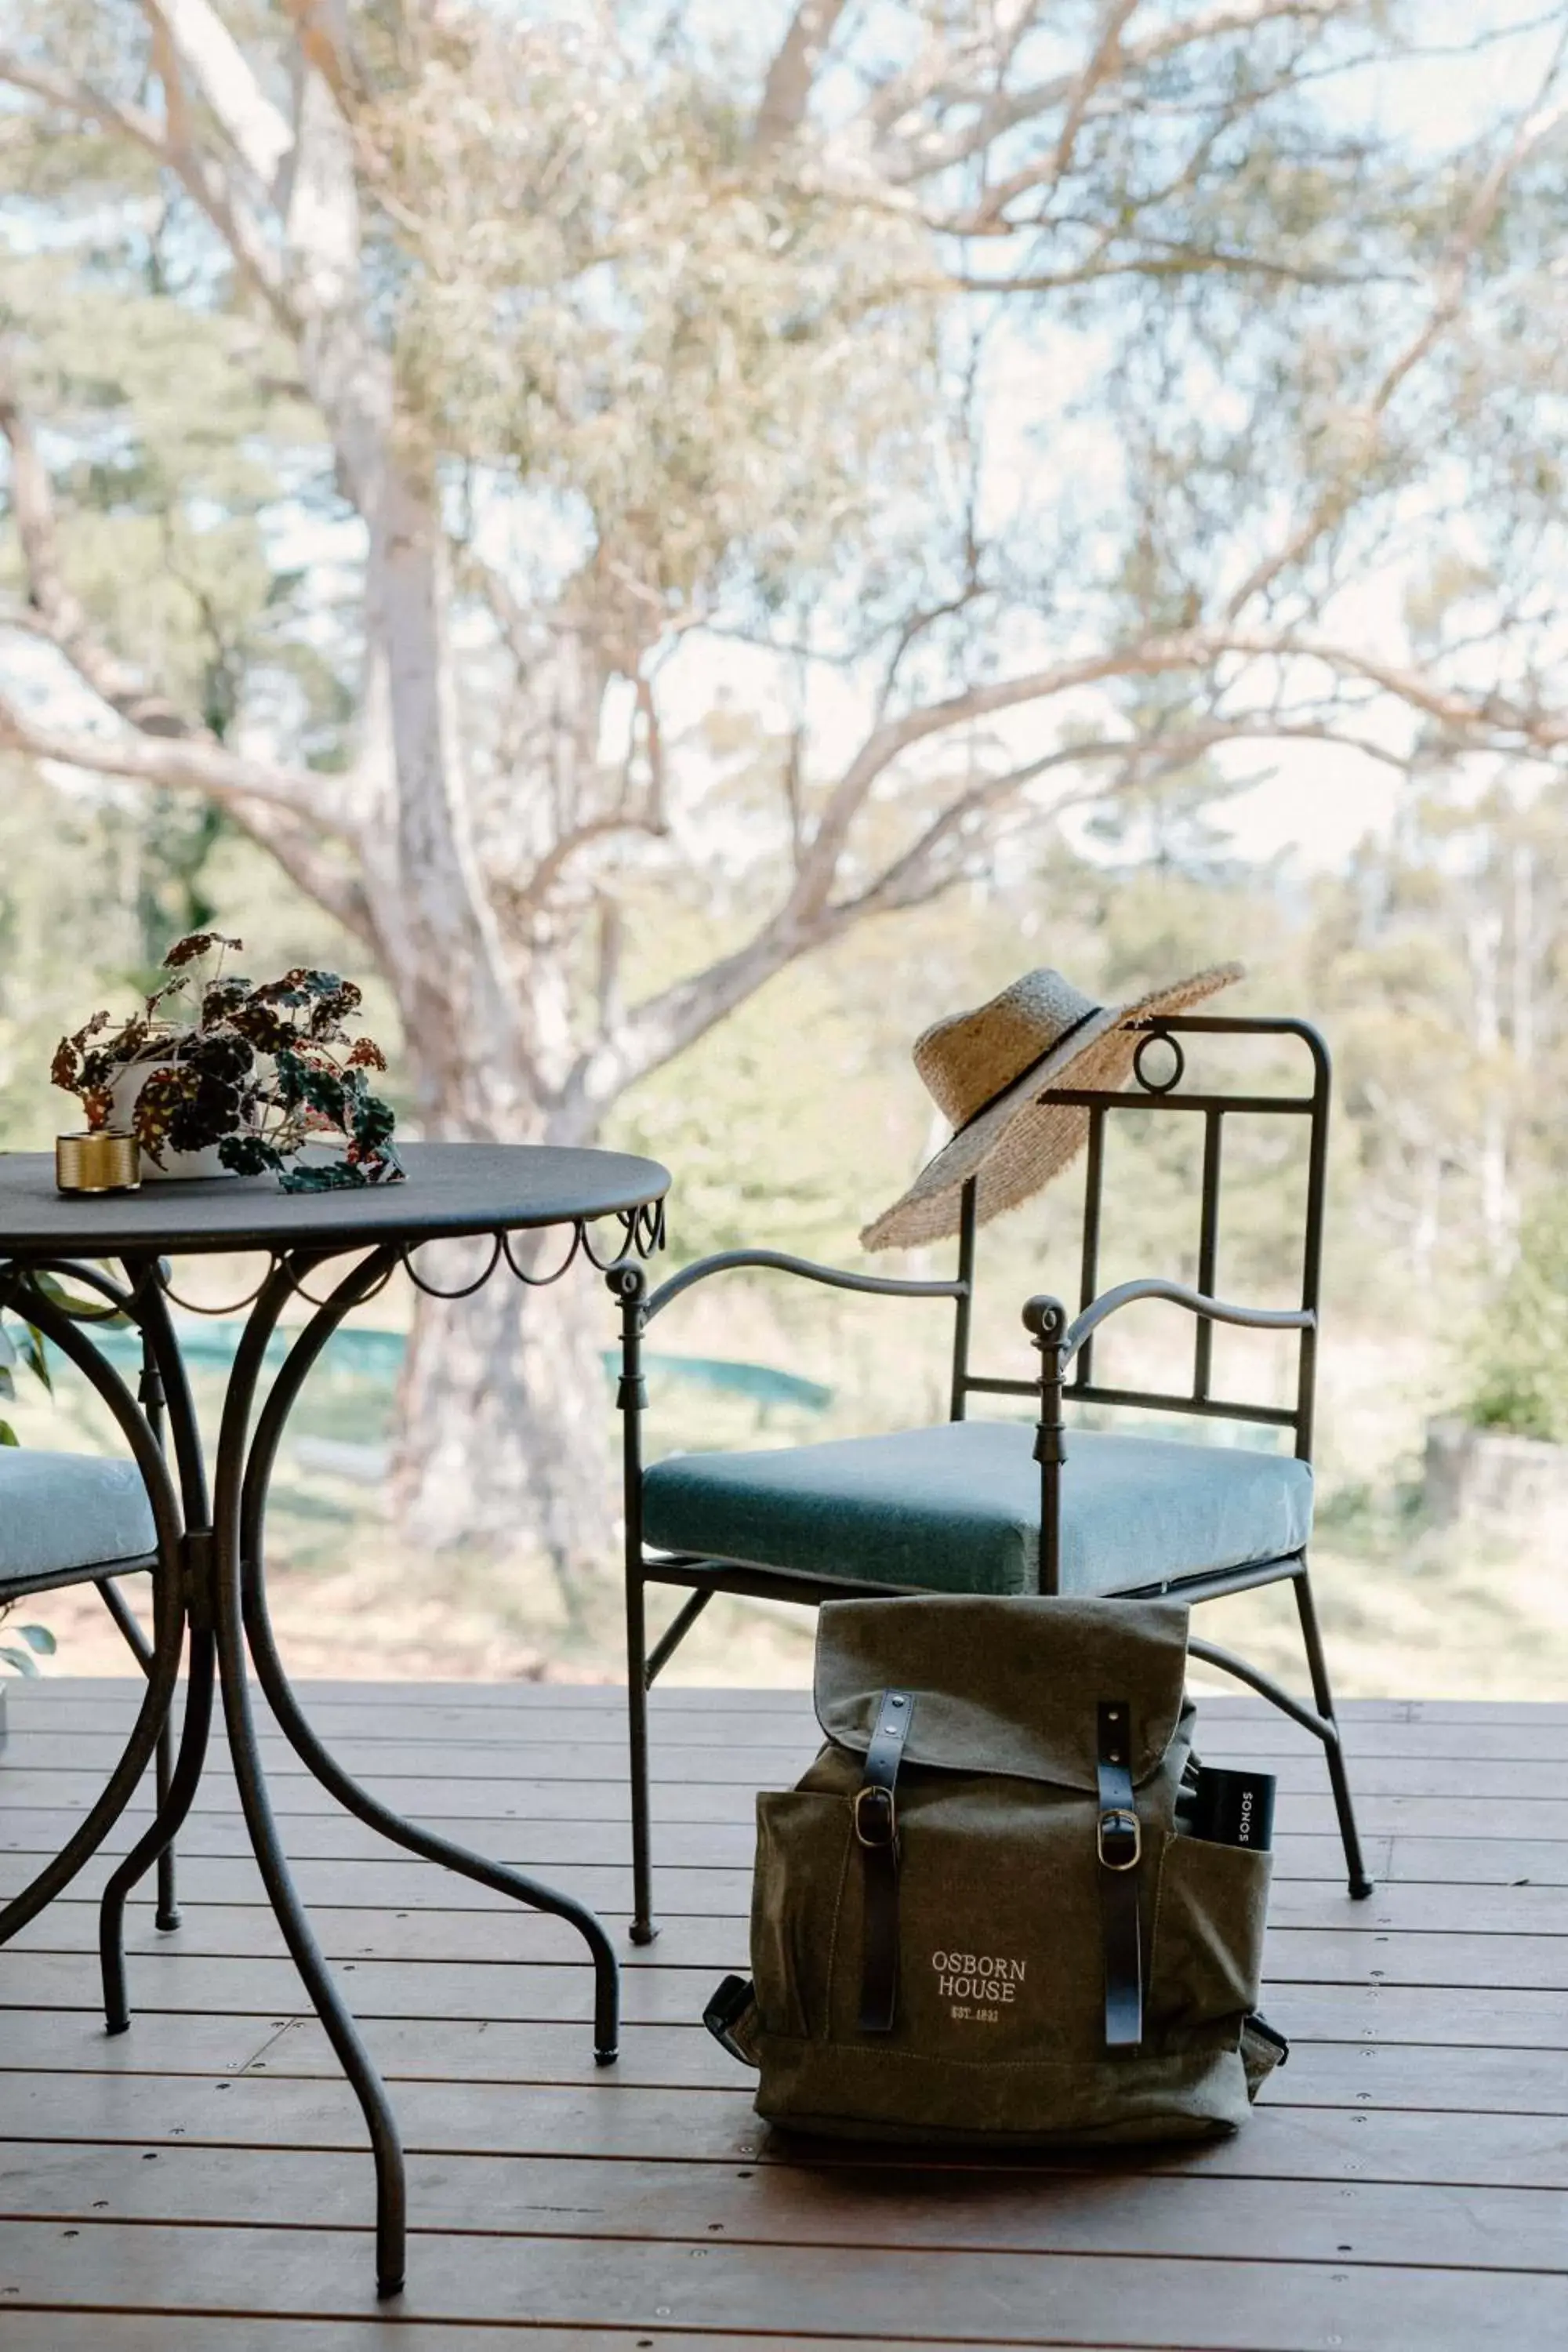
[[298, 849], [1167, 259], [661, 1027], [1453, 276], [913, 878], [786, 93], [994, 110], [167, 747], [919, 622], [535, 891], [967, 73], [1105, 55], [1486, 715], [64, 93], [1487, 718], [183, 763], [252, 126], [57, 613], [171, 145], [212, 189], [1149, 656]]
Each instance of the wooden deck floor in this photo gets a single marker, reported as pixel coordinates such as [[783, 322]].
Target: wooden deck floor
[[201, 2185]]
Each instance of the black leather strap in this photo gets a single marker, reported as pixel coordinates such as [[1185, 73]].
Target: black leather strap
[[876, 1828], [1120, 1847]]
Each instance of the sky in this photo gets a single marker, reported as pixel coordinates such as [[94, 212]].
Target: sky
[[1316, 815]]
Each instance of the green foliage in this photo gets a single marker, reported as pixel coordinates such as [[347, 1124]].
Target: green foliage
[[1518, 1360], [21, 1348], [188, 447], [39, 1642], [174, 880], [597, 289]]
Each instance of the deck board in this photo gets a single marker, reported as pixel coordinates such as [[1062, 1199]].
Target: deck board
[[1433, 1948], [200, 2185]]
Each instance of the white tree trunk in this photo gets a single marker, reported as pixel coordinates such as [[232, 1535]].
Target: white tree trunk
[[504, 1422], [503, 1409], [1499, 1206], [1522, 1009]]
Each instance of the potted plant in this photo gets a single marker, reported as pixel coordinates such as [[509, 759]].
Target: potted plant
[[219, 1076]]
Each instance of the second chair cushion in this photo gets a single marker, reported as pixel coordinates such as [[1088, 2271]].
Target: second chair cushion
[[956, 1508], [68, 1510]]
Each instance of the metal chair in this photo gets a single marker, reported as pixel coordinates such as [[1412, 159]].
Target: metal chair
[[77, 1518], [996, 1506]]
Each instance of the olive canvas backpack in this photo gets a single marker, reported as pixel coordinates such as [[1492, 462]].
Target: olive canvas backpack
[[979, 1916]]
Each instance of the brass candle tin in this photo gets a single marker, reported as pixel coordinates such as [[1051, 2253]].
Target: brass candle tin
[[104, 1159]]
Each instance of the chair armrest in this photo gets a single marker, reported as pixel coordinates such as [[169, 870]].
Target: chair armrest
[[1045, 1317], [776, 1261]]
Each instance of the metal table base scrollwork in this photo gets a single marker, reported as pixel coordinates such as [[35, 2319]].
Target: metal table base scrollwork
[[208, 1570]]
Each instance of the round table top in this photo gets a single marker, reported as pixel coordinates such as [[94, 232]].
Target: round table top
[[450, 1189]]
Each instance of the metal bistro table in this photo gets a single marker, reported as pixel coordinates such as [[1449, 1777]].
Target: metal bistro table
[[208, 1571]]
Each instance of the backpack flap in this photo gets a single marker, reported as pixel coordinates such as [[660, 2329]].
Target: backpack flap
[[1081, 1696], [1008, 1686]]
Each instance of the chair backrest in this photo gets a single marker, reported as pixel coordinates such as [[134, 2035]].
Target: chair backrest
[[1163, 1092]]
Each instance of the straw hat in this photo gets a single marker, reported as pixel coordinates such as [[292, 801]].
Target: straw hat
[[987, 1070]]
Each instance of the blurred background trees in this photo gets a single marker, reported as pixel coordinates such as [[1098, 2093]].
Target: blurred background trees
[[598, 505]]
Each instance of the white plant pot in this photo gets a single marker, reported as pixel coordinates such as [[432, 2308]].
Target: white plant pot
[[179, 1166]]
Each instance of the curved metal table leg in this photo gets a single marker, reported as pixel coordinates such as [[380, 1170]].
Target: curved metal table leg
[[157, 1842], [177, 1786], [150, 1396], [167, 1913], [164, 1760], [423, 1843], [296, 1726], [391, 2215], [121, 1786], [166, 1396]]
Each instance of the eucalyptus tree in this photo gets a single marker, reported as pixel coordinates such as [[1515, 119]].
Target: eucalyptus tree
[[612, 502]]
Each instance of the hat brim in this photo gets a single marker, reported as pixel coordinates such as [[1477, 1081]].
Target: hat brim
[[1018, 1143]]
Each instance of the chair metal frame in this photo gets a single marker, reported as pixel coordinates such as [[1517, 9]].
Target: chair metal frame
[[1066, 1348], [105, 1576]]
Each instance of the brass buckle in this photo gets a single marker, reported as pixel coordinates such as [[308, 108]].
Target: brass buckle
[[888, 1826], [1121, 1839]]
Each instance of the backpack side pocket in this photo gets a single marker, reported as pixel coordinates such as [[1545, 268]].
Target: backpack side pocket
[[1209, 1924], [796, 1899]]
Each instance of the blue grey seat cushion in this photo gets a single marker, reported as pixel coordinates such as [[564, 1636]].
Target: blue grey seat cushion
[[957, 1508], [68, 1510]]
